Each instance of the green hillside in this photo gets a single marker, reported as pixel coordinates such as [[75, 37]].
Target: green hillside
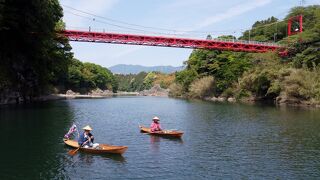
[[249, 76]]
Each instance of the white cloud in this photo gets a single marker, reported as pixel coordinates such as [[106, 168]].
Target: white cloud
[[230, 13]]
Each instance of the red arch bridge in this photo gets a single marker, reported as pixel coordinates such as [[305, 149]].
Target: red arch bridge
[[147, 40]]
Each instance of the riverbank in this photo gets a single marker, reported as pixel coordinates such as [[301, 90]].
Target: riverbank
[[96, 94], [278, 101], [156, 90], [52, 97], [77, 95], [14, 98]]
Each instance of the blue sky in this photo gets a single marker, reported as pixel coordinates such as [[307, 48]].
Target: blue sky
[[214, 16]]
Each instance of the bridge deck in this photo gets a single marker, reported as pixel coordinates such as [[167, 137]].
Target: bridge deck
[[146, 40]]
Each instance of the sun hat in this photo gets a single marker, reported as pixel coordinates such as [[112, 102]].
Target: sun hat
[[88, 128], [156, 118]]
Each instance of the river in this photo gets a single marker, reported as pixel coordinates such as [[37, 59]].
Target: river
[[221, 140]]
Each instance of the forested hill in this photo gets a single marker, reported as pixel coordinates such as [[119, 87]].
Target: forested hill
[[246, 76], [135, 69], [34, 59]]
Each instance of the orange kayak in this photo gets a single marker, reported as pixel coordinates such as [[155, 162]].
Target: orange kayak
[[103, 148], [164, 133]]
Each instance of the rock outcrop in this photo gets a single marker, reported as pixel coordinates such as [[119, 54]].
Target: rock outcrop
[[71, 93], [99, 92], [220, 99], [156, 90]]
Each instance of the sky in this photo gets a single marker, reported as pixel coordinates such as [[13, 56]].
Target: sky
[[185, 18]]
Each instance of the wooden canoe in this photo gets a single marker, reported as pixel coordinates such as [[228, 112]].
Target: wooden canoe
[[104, 148], [164, 133]]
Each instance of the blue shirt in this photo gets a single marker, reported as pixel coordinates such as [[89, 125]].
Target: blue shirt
[[83, 138]]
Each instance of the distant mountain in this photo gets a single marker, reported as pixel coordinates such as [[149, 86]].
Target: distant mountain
[[135, 69]]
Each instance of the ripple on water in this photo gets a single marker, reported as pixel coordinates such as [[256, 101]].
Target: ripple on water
[[221, 141]]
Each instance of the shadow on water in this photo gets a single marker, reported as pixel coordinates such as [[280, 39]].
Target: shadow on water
[[115, 157], [89, 158], [34, 132], [156, 140]]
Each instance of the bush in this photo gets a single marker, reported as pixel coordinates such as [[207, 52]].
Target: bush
[[148, 80], [176, 90], [165, 80], [261, 82], [230, 92], [274, 89], [202, 87], [303, 84], [186, 77]]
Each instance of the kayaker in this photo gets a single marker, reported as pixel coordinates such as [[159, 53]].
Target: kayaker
[[91, 137], [86, 138], [155, 125]]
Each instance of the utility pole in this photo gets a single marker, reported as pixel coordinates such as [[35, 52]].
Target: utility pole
[[276, 33], [302, 2]]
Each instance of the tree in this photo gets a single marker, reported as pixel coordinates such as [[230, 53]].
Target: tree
[[33, 56], [84, 77]]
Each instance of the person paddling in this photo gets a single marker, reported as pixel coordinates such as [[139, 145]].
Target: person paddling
[[155, 125], [86, 138]]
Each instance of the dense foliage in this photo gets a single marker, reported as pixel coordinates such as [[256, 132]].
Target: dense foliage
[[83, 77], [32, 55], [305, 47], [35, 59], [226, 67], [260, 76], [131, 82], [143, 81]]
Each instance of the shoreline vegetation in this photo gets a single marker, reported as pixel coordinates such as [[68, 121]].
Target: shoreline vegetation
[[51, 71], [94, 94], [293, 80]]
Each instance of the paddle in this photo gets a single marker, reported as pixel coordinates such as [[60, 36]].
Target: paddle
[[74, 151]]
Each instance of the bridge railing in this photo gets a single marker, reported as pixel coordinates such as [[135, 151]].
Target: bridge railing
[[179, 35], [246, 42]]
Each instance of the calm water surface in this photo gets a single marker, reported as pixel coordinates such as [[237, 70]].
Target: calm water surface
[[221, 141]]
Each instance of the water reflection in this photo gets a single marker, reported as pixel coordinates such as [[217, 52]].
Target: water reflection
[[115, 157], [85, 158], [88, 158], [36, 130], [221, 141], [155, 141]]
